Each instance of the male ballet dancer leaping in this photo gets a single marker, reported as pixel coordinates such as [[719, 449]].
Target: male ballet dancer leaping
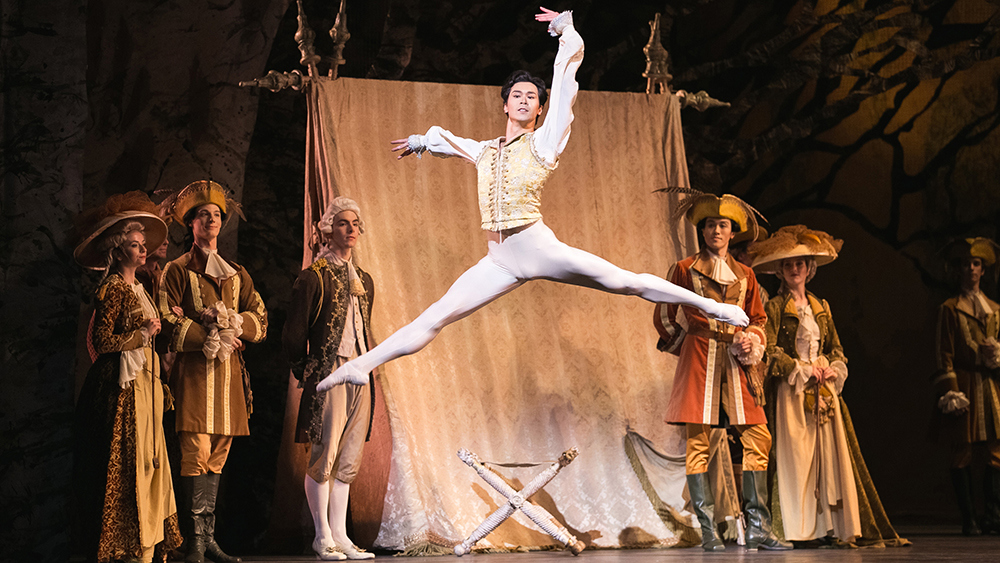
[[512, 171]]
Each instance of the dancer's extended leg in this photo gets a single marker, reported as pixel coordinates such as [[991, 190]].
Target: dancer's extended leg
[[477, 287], [548, 258]]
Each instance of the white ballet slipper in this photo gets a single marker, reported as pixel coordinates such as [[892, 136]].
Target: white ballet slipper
[[346, 373]]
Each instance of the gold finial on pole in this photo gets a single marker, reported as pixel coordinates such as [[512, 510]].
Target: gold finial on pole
[[305, 36], [275, 81], [657, 76], [340, 35], [699, 100]]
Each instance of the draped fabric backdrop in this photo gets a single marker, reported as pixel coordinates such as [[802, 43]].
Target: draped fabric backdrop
[[542, 369]]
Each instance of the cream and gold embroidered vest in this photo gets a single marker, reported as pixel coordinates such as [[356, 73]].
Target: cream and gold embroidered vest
[[510, 184]]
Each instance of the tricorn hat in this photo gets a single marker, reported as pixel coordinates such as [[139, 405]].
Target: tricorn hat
[[700, 205], [196, 194], [114, 214], [978, 247]]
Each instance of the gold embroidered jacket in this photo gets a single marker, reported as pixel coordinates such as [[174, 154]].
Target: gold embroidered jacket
[[313, 330], [783, 326], [511, 179], [212, 396], [117, 317]]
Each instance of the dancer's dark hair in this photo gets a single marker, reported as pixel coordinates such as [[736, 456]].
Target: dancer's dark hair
[[524, 76]]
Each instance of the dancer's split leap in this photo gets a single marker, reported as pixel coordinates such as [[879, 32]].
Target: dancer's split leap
[[512, 171]]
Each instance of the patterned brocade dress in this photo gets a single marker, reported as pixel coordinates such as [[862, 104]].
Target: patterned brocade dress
[[121, 467]]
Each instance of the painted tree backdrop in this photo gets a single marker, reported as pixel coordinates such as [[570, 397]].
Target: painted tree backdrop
[[875, 121]]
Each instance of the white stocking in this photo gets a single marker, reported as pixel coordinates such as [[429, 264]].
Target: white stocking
[[318, 496], [477, 287], [534, 253], [339, 495]]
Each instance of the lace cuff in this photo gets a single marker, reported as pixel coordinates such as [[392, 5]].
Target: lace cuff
[[227, 343], [558, 25], [799, 376], [130, 365], [212, 344], [756, 352], [840, 368], [235, 322], [952, 401], [991, 361], [416, 144]]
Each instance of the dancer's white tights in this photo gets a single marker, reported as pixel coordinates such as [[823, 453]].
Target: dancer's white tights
[[328, 506], [534, 253]]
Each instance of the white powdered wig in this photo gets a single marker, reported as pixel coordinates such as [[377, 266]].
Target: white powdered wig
[[336, 206]]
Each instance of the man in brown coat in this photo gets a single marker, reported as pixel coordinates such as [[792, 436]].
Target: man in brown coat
[[966, 381], [211, 308]]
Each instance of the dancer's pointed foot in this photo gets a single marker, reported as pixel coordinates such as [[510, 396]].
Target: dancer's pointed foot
[[346, 373], [730, 314]]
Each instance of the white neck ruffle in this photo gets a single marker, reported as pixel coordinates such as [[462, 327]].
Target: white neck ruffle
[[215, 266], [721, 272]]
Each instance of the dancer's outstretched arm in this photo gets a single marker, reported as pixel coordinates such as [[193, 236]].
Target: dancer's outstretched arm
[[441, 143], [551, 137]]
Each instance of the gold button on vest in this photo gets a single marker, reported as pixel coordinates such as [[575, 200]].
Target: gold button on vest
[[510, 184]]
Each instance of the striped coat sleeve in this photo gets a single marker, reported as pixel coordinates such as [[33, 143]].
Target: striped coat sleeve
[[671, 332], [186, 335], [945, 378], [252, 310]]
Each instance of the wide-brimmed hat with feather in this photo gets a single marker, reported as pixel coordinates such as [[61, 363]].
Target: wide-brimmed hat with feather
[[194, 195], [794, 241], [94, 225], [700, 205]]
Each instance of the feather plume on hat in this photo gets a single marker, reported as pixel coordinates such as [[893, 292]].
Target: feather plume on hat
[[794, 241], [700, 205], [117, 211], [194, 195]]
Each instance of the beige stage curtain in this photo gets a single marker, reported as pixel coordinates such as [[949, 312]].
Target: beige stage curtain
[[541, 370]]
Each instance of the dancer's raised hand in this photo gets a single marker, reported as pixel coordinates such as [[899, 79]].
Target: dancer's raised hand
[[402, 145], [547, 15]]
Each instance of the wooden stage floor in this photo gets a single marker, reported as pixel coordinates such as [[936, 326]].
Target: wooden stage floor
[[930, 544]]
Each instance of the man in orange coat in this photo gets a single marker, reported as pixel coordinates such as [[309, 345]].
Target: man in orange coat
[[717, 381]]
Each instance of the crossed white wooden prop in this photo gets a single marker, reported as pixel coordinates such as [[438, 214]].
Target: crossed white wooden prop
[[519, 500]]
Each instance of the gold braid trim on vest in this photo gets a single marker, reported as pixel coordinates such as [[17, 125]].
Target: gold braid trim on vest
[[510, 182]]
